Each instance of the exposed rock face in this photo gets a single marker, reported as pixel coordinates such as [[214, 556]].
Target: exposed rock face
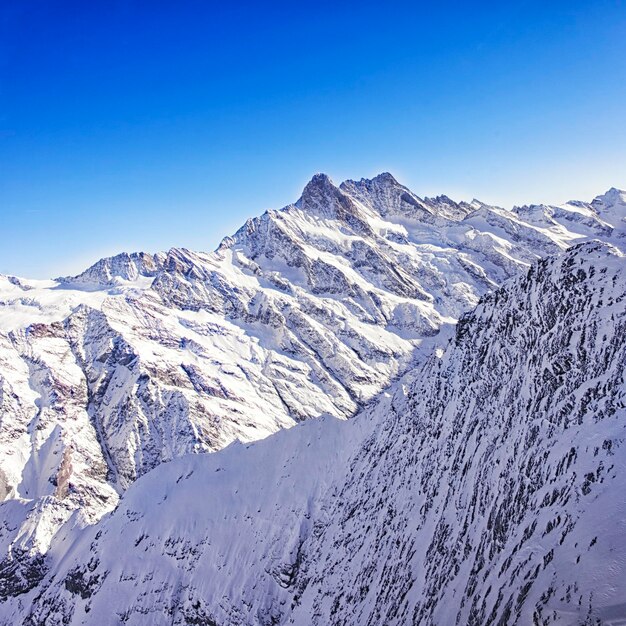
[[307, 311], [487, 488]]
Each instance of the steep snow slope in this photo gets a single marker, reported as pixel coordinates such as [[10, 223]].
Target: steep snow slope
[[304, 312], [487, 489], [230, 523]]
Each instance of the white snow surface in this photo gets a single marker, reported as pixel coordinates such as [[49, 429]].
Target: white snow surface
[[306, 312]]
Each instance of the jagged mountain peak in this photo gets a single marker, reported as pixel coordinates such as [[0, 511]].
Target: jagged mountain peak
[[445, 206], [382, 194], [124, 266], [322, 197], [613, 195], [385, 178], [613, 198], [611, 207], [320, 185], [320, 179], [386, 197]]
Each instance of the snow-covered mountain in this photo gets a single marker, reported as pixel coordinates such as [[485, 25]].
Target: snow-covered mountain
[[485, 488], [305, 312]]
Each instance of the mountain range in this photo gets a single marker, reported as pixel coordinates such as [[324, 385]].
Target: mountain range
[[438, 471]]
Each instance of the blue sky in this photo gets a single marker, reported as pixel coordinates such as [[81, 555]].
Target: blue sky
[[146, 125]]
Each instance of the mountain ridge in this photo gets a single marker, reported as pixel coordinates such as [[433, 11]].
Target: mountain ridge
[[613, 194]]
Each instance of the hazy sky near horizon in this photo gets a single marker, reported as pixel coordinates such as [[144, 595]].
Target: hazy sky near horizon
[[132, 125]]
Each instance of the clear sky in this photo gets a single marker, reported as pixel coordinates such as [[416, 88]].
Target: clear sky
[[130, 125]]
